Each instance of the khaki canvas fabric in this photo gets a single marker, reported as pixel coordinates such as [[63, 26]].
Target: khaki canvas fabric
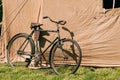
[[17, 17], [96, 30]]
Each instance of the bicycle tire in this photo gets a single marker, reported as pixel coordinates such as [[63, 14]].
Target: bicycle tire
[[63, 58], [19, 58]]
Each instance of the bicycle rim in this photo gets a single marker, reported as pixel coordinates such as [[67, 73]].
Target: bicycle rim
[[19, 57], [66, 57]]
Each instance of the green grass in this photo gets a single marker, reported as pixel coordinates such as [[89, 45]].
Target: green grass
[[83, 73]]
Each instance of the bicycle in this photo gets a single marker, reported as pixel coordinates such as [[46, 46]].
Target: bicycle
[[65, 54]]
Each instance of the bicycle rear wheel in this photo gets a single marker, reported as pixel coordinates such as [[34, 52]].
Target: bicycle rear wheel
[[20, 50], [65, 57]]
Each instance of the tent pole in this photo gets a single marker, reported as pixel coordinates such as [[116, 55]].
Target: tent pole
[[113, 4], [40, 13]]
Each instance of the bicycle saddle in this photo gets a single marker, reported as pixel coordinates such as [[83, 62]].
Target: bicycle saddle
[[35, 25]]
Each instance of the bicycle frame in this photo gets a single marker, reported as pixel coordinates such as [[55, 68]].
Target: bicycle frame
[[52, 42]]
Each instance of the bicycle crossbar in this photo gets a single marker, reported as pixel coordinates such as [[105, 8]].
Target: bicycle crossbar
[[48, 30]]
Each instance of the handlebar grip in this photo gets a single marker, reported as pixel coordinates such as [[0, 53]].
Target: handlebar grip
[[62, 22]]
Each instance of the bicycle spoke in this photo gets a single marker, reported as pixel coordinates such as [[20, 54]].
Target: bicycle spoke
[[64, 58], [20, 55]]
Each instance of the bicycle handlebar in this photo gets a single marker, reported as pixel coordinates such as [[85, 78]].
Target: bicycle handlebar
[[61, 22]]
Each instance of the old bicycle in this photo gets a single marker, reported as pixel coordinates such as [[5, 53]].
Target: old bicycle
[[64, 57]]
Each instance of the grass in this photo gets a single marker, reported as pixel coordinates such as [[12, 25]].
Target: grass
[[83, 73]]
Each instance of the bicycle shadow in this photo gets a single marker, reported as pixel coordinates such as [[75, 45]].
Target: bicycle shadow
[[42, 39], [71, 33], [73, 55]]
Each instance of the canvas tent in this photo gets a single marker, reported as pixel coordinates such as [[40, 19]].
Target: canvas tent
[[96, 29]]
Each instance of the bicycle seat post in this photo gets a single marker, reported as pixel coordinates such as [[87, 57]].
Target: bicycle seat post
[[58, 31]]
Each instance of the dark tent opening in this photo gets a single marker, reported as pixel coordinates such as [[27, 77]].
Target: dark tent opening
[[108, 4]]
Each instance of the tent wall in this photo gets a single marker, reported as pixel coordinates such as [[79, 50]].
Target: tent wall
[[97, 31], [17, 17]]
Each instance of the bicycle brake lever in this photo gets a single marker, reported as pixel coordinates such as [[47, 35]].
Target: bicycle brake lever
[[66, 29]]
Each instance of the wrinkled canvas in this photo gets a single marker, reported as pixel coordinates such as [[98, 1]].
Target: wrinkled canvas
[[96, 30]]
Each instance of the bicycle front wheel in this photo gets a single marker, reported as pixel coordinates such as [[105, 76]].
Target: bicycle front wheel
[[65, 57], [20, 50]]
